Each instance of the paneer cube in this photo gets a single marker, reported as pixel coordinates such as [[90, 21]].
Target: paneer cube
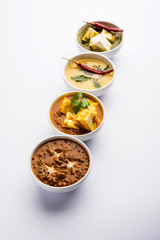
[[90, 32], [70, 121], [65, 105], [85, 119], [108, 35], [71, 115], [93, 107], [100, 43], [97, 121]]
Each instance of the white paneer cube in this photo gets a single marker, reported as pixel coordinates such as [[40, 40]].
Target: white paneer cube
[[108, 35], [100, 43]]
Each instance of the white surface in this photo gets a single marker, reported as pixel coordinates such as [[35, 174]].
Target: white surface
[[121, 198]]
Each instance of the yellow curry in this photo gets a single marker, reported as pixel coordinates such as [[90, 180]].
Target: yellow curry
[[86, 80]]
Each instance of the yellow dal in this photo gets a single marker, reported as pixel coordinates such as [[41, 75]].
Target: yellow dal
[[73, 70]]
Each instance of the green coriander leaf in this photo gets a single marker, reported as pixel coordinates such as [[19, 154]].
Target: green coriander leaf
[[106, 68], [84, 103], [76, 108], [73, 102], [76, 97], [96, 84], [78, 102], [81, 78], [79, 95]]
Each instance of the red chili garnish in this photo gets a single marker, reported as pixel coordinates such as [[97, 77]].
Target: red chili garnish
[[88, 69], [98, 25]]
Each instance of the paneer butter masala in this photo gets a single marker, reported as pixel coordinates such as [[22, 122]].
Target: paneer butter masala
[[60, 162], [76, 114]]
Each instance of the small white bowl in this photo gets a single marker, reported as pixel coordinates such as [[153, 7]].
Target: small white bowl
[[99, 91], [82, 137], [67, 188], [110, 53]]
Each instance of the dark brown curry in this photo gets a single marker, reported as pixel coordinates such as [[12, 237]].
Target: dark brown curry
[[60, 162]]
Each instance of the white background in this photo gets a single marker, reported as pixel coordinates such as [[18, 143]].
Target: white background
[[121, 197]]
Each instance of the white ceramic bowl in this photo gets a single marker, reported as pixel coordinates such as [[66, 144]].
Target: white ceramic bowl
[[99, 91], [82, 137], [67, 188], [110, 53]]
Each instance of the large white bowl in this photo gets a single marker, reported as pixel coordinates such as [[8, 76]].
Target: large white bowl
[[99, 91], [67, 188], [110, 53], [82, 137]]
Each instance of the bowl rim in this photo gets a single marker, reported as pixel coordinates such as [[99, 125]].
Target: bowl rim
[[81, 143], [74, 92], [103, 52], [90, 90]]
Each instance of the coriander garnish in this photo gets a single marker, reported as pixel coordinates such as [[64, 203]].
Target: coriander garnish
[[81, 78], [79, 102], [106, 68], [96, 84]]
